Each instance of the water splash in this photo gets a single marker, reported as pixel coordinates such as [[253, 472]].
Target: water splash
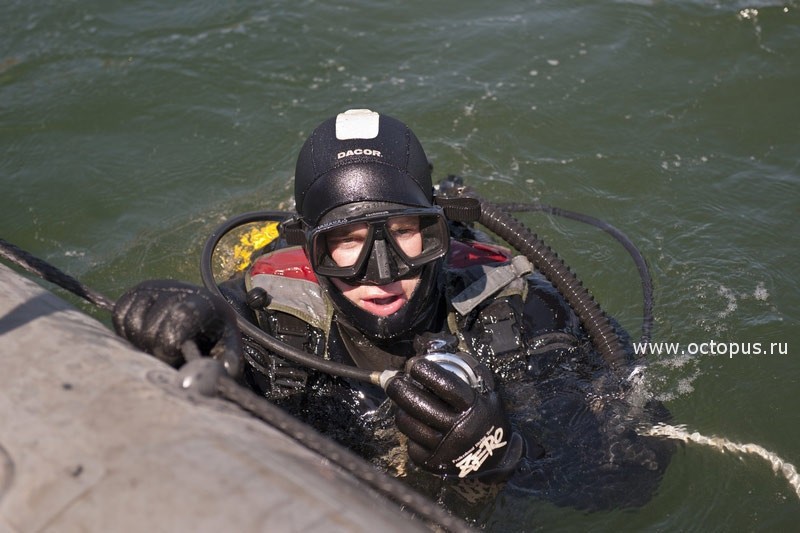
[[760, 292], [730, 298]]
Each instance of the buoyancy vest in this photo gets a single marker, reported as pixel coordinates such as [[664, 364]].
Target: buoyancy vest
[[494, 301]]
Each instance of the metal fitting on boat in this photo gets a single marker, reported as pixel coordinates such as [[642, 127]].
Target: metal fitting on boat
[[201, 376]]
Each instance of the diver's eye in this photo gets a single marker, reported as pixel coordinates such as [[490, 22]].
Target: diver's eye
[[405, 232], [345, 244]]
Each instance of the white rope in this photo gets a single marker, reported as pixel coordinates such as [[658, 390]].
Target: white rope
[[680, 433]]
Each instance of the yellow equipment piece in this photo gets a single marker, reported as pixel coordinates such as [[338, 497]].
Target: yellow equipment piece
[[255, 239]]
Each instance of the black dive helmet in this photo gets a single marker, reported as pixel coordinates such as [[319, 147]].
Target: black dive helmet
[[363, 167]]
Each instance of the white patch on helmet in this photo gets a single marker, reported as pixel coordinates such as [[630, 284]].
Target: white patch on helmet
[[357, 124]]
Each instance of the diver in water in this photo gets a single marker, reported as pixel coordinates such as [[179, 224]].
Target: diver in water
[[494, 365]]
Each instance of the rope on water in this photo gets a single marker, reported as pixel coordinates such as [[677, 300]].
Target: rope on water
[[680, 433], [48, 272]]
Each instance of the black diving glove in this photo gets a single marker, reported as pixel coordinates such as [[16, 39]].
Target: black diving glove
[[160, 316], [453, 429]]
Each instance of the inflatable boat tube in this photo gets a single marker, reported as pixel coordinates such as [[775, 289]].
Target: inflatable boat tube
[[97, 436]]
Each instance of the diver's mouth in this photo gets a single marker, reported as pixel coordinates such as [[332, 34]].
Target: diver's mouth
[[384, 305]]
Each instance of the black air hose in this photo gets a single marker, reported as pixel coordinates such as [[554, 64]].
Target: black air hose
[[592, 317]]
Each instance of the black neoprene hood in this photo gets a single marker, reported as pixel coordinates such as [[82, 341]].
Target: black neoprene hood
[[359, 156]]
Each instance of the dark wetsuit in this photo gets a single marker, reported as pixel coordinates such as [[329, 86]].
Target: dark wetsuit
[[573, 412]]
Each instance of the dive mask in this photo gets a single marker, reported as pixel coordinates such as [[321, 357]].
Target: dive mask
[[380, 247]]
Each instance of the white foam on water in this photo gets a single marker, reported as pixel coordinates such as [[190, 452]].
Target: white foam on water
[[761, 292], [731, 306]]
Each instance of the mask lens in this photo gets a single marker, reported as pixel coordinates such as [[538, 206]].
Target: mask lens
[[339, 251], [345, 244], [418, 239], [405, 232]]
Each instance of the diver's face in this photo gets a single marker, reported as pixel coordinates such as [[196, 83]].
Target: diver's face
[[345, 246]]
